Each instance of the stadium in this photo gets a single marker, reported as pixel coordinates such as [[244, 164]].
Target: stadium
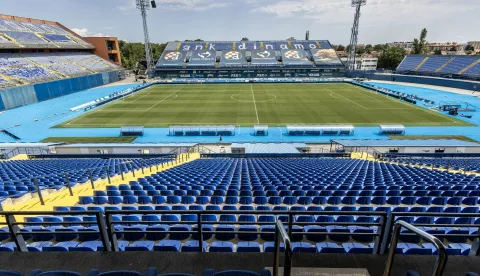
[[223, 157]]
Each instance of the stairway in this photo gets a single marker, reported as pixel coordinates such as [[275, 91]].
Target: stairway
[[14, 41], [445, 64], [421, 63], [13, 80], [469, 66]]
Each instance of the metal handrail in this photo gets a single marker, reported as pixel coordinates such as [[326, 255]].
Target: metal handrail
[[442, 252], [280, 233]]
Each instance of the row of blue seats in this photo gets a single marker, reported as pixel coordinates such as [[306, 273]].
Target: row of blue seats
[[292, 190], [226, 232], [173, 218], [151, 272], [277, 200], [244, 247], [388, 209]]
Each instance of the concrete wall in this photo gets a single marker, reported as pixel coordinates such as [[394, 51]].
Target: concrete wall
[[120, 150]]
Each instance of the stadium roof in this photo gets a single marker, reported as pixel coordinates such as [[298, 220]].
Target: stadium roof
[[405, 143], [108, 145], [270, 147]]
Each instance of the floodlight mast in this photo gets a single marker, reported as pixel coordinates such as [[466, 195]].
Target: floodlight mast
[[143, 6], [354, 37]]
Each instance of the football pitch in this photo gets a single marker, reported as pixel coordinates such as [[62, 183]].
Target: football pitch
[[252, 104]]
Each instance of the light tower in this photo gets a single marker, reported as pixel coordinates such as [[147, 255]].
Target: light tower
[[143, 6], [354, 38]]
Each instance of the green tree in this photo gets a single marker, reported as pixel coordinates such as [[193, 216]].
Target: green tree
[[419, 44], [469, 48], [391, 57], [379, 47], [340, 47], [131, 53], [438, 52]]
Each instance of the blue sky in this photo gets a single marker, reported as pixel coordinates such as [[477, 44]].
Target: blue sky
[[382, 20]]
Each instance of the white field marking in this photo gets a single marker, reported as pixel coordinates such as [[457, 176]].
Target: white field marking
[[159, 102], [375, 108], [136, 109], [358, 124], [264, 101], [347, 99], [254, 103], [438, 114]]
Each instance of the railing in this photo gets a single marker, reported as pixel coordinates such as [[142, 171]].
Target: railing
[[200, 232], [68, 185], [442, 253], [396, 216], [280, 234], [387, 227], [16, 151]]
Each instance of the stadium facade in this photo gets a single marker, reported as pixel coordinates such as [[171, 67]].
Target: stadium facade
[[249, 59]]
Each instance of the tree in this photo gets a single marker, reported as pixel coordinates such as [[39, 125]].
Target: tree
[[419, 44], [438, 52], [340, 47], [379, 47], [453, 49], [131, 53], [391, 57], [360, 50], [469, 48], [245, 39]]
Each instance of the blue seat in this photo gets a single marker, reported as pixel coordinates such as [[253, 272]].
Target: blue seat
[[313, 230], [87, 246], [60, 247], [413, 249], [194, 246], [140, 246], [329, 247], [229, 235], [221, 246], [211, 272], [168, 245], [303, 247], [247, 228], [161, 232], [182, 228], [250, 247], [357, 248]]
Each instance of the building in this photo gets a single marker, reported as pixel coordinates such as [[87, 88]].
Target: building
[[368, 63], [106, 48], [445, 47], [408, 46]]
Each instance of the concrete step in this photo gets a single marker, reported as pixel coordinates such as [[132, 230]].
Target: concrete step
[[312, 271]]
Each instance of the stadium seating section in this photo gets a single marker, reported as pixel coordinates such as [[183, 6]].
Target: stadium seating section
[[31, 68], [15, 34], [263, 184], [237, 54], [462, 65], [16, 176]]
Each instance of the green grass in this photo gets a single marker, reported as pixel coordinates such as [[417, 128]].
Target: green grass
[[434, 137], [90, 140], [250, 104]]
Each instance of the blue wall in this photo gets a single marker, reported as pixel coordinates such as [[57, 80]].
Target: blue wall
[[24, 95], [461, 84]]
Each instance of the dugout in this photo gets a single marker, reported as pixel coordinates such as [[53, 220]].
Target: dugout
[[260, 130], [228, 130], [320, 130], [131, 131], [392, 130]]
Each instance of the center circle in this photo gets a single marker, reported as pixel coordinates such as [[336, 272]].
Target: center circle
[[248, 97]]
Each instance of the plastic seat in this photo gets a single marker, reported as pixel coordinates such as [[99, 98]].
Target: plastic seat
[[329, 247], [303, 247], [168, 245], [250, 247], [357, 248], [221, 246], [194, 246]]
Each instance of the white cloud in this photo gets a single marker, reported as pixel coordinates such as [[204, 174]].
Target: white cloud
[[195, 5], [191, 5], [86, 33]]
